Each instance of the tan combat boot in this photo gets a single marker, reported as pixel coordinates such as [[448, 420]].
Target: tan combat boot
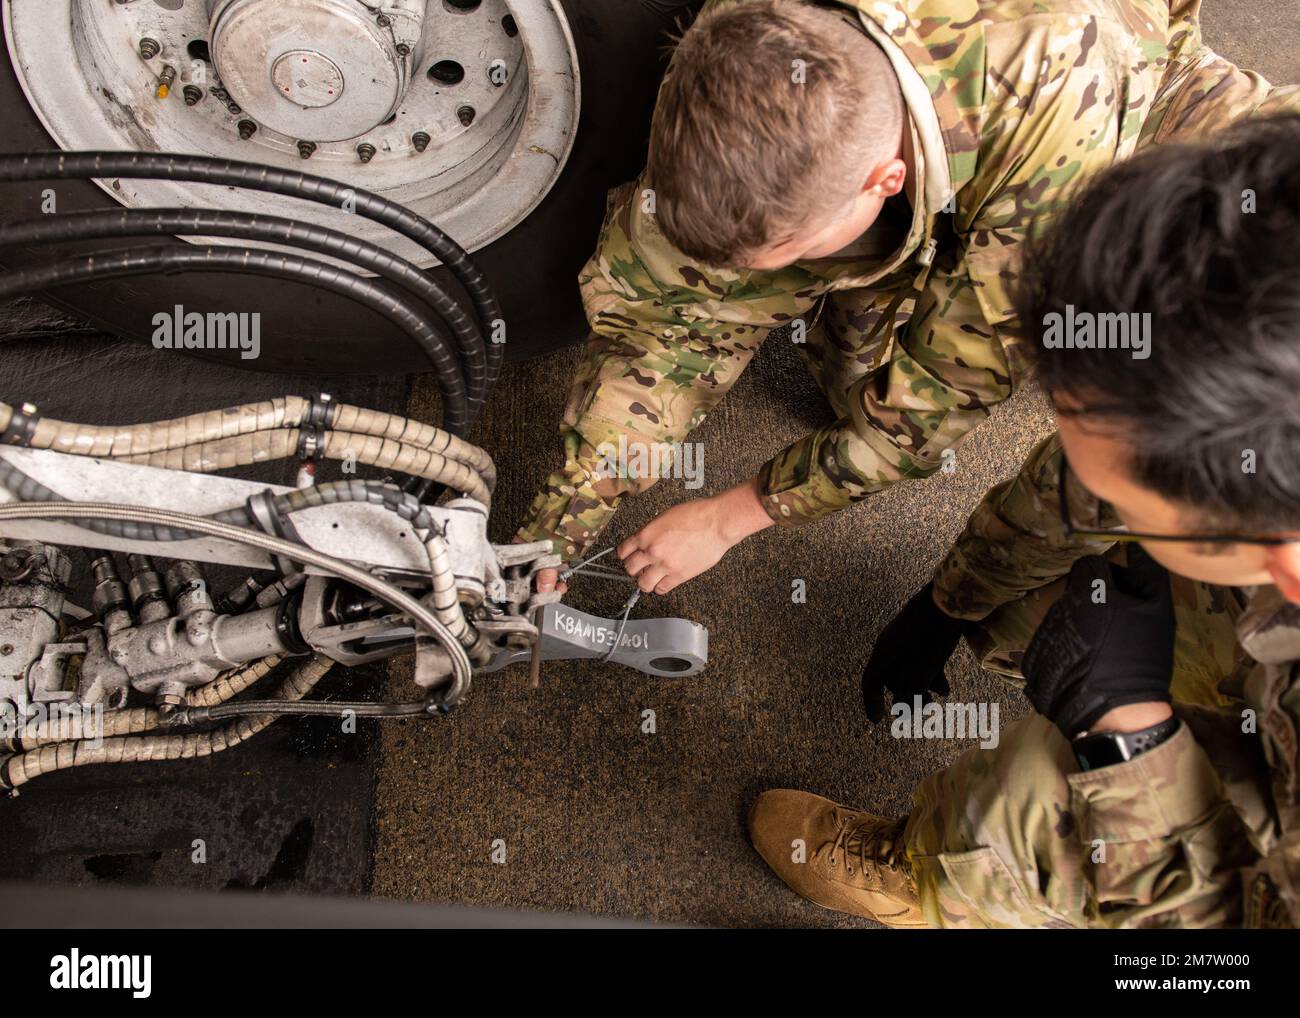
[[852, 861]]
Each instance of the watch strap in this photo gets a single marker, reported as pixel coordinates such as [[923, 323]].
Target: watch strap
[[1102, 749]]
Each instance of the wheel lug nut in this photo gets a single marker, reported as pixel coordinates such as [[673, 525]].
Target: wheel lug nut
[[466, 115], [193, 95], [366, 151], [247, 129], [306, 148], [149, 48], [420, 140]]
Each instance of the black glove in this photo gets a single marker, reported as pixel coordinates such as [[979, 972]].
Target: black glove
[[1088, 658], [910, 653]]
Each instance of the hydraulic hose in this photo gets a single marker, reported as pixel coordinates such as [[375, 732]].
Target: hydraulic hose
[[18, 770], [79, 226], [138, 720], [123, 441], [231, 684], [396, 598], [142, 261], [316, 708], [443, 597], [204, 169], [242, 450]]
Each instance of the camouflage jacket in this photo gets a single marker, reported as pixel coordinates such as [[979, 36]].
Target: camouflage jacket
[[1172, 811], [1011, 103]]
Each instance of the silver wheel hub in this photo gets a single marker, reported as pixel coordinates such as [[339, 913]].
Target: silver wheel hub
[[463, 110], [324, 70]]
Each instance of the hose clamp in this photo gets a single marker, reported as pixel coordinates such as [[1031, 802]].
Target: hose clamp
[[262, 508], [315, 422], [21, 429]]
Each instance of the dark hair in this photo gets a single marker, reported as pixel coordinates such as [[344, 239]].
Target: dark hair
[[1206, 239]]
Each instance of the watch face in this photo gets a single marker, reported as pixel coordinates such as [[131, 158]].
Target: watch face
[[1096, 751]]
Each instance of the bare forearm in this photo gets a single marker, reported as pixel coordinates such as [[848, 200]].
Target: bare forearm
[[1133, 717]]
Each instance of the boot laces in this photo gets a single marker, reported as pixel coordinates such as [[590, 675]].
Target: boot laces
[[873, 840]]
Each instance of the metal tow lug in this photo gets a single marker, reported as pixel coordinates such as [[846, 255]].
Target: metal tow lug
[[664, 647]]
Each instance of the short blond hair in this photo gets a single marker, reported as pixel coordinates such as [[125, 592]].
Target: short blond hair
[[773, 112]]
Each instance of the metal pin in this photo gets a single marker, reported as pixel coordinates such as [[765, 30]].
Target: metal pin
[[622, 625], [535, 664]]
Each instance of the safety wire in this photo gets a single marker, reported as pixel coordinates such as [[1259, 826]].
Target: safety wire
[[584, 567]]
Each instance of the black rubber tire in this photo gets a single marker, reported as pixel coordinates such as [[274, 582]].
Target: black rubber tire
[[622, 52]]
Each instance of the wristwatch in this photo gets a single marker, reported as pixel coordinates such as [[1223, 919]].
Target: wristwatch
[[1101, 749]]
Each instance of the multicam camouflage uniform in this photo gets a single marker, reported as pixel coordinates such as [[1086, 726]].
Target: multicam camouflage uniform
[[1011, 104], [1203, 830]]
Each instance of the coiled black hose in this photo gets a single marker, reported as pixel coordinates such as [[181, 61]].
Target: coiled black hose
[[205, 169], [105, 223], [142, 261]]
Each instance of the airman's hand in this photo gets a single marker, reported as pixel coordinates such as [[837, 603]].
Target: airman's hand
[[690, 538]]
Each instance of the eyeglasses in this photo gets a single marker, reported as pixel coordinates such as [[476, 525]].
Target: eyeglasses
[[1129, 536]]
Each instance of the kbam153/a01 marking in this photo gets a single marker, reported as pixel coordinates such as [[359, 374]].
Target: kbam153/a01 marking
[[571, 625]]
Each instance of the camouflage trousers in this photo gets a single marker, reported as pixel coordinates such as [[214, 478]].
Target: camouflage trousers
[[1007, 837], [994, 839]]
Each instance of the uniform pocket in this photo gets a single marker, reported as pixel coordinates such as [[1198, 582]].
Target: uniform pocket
[[981, 891], [993, 271]]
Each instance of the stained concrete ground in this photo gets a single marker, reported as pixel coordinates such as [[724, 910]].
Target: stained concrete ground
[[598, 817]]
